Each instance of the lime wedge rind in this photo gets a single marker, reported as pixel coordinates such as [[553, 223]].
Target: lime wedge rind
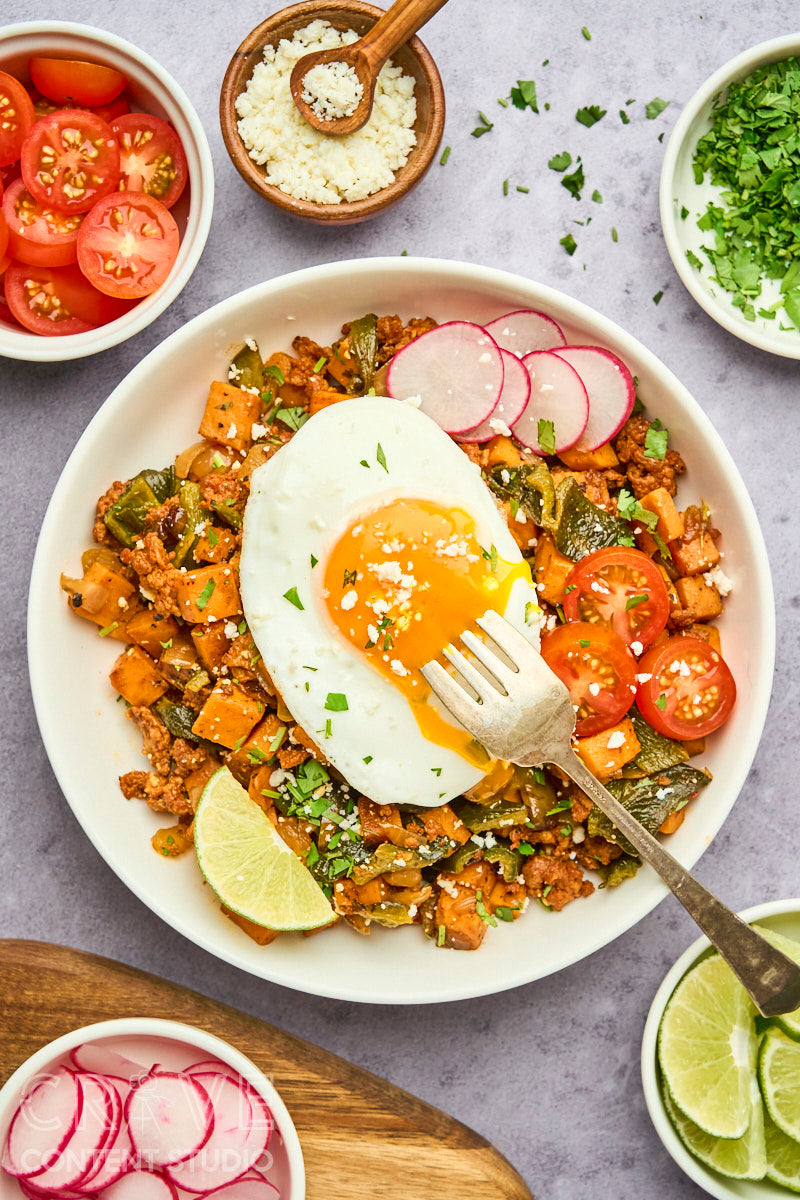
[[249, 866], [789, 1022], [783, 1156], [735, 1158], [779, 1078]]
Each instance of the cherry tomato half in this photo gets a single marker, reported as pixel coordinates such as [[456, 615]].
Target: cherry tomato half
[[57, 300], [70, 160], [128, 244], [110, 112], [3, 238], [151, 157], [594, 663], [16, 118], [79, 84], [690, 692], [39, 235], [621, 588]]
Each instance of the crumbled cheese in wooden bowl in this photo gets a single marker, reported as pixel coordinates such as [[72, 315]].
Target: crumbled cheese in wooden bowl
[[332, 90], [315, 166]]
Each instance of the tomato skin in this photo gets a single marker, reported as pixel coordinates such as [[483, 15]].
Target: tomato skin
[[57, 301], [110, 112], [127, 245], [605, 661], [599, 587], [152, 158], [79, 84], [38, 235], [70, 160], [682, 669], [16, 118], [3, 237]]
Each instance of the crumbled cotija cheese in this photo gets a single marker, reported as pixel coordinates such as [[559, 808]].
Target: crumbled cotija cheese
[[310, 165], [332, 90]]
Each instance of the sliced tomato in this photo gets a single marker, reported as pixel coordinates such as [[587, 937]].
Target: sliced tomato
[[152, 159], [57, 301], [3, 237], [41, 105], [110, 112], [70, 160], [621, 588], [686, 689], [16, 118], [79, 84], [127, 245], [39, 235], [597, 668]]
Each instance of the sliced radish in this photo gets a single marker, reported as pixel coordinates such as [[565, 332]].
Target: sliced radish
[[116, 1161], [100, 1059], [456, 371], [32, 1193], [611, 390], [43, 1124], [557, 395], [513, 398], [141, 1185], [524, 331], [240, 1135], [98, 1124], [247, 1189], [169, 1117], [217, 1068]]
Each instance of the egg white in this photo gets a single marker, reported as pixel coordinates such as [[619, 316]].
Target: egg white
[[301, 501]]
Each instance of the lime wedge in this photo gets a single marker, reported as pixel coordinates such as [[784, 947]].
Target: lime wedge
[[783, 1156], [779, 1076], [707, 1049], [249, 865], [737, 1158], [790, 1022]]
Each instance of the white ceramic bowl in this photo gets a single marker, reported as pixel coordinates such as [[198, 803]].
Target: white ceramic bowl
[[784, 917], [90, 743], [175, 1046], [153, 90], [678, 188]]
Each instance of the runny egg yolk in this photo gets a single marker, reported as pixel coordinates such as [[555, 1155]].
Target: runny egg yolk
[[402, 582]]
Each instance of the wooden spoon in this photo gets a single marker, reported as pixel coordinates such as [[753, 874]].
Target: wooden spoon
[[366, 57]]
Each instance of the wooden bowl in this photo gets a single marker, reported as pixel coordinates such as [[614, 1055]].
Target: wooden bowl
[[412, 57]]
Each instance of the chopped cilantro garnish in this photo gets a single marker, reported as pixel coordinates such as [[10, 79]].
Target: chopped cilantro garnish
[[482, 911], [212, 538], [205, 595], [661, 702], [505, 187], [349, 578], [524, 95], [684, 212], [623, 116], [694, 260], [532, 611], [484, 127], [574, 182], [381, 457], [504, 912], [440, 935], [655, 441], [560, 162], [655, 107], [633, 601], [436, 770], [364, 463], [546, 435], [166, 645], [525, 848], [560, 806], [569, 244], [590, 115], [586, 33], [445, 156], [336, 702], [614, 234], [658, 297], [293, 598], [110, 628], [584, 643], [294, 418], [314, 561], [276, 373], [367, 759]]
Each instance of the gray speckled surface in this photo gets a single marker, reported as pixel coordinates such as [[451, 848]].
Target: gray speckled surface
[[548, 1072]]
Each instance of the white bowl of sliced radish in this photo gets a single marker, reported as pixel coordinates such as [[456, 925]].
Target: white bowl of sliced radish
[[144, 1109]]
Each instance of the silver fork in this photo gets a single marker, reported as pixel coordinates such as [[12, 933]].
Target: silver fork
[[523, 713]]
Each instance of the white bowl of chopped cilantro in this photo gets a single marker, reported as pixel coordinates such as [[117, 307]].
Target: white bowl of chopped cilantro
[[732, 159]]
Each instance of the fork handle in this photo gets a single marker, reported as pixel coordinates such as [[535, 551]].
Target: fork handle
[[771, 979]]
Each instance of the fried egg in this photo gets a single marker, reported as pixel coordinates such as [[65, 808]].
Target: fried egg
[[370, 542]]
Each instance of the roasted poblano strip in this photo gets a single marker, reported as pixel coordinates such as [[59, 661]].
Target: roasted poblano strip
[[650, 800], [363, 339], [247, 368], [581, 526], [531, 487], [657, 752], [500, 814]]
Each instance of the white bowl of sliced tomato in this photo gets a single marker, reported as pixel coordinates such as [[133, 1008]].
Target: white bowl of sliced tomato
[[106, 190]]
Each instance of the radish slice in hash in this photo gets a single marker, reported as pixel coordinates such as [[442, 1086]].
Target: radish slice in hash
[[43, 1124], [169, 1117], [456, 370], [557, 395], [609, 385], [141, 1185], [241, 1131], [513, 398], [95, 1057], [524, 331]]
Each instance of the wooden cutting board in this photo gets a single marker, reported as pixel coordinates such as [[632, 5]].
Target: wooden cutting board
[[362, 1138]]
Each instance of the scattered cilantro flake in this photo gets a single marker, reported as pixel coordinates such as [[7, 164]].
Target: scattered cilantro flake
[[484, 126], [319, 364], [336, 702], [584, 643], [293, 598], [597, 197], [276, 373], [630, 509], [525, 848], [658, 297], [364, 463], [436, 770], [614, 234], [694, 260], [532, 611], [569, 244], [655, 441], [520, 188], [293, 418], [655, 107], [661, 702], [634, 601], [166, 645], [590, 115], [560, 162], [441, 933], [114, 625], [381, 457], [482, 911], [367, 759], [546, 435], [524, 95], [505, 187], [314, 561], [445, 156], [623, 116], [504, 912], [586, 33], [206, 594], [212, 538], [574, 182]]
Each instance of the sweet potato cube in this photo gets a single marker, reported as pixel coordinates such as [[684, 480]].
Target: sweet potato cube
[[208, 594], [674, 599], [700, 600], [708, 633], [503, 453], [228, 716], [696, 556], [215, 546], [104, 598], [324, 398], [601, 459], [259, 933], [150, 630], [229, 415], [607, 752], [261, 746], [289, 394], [458, 924], [694, 746], [374, 892], [551, 568], [135, 676], [670, 521], [443, 822], [380, 823], [211, 643]]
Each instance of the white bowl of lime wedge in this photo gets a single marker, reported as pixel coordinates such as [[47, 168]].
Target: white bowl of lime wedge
[[724, 1103]]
